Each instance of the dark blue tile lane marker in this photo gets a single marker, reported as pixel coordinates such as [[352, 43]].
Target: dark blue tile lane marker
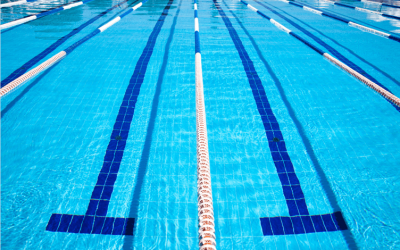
[[95, 220], [144, 158], [300, 221], [24, 68], [348, 237]]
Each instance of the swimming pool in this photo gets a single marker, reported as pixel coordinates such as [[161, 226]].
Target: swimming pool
[[99, 150]]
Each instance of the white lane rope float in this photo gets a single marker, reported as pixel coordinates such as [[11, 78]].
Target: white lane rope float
[[37, 16], [367, 29], [362, 9], [367, 10], [379, 3], [16, 3], [62, 54], [386, 94], [204, 191], [348, 22]]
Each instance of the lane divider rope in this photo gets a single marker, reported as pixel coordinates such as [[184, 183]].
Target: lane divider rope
[[386, 94], [362, 9], [367, 29], [350, 23], [383, 4], [59, 56], [204, 191], [45, 13], [16, 3]]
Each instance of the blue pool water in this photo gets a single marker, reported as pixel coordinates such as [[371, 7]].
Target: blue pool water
[[99, 150]]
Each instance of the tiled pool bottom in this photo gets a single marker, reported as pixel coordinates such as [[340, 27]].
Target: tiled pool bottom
[[107, 137]]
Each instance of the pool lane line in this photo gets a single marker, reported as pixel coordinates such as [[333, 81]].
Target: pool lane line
[[60, 55], [16, 3], [362, 9], [323, 180], [380, 89], [204, 190], [344, 20], [148, 141], [300, 221], [25, 67], [336, 53], [95, 221], [42, 14]]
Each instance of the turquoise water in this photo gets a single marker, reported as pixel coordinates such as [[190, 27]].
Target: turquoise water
[[342, 137]]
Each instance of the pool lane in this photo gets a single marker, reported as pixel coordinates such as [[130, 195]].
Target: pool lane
[[23, 43], [65, 121], [62, 54], [28, 65], [57, 9], [300, 220], [338, 59], [95, 221], [167, 208], [9, 4], [246, 183], [356, 24], [94, 107], [366, 10], [372, 63], [32, 7], [352, 44], [388, 24]]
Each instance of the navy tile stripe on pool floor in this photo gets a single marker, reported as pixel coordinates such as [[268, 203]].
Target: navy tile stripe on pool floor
[[95, 220], [300, 221], [285, 225]]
